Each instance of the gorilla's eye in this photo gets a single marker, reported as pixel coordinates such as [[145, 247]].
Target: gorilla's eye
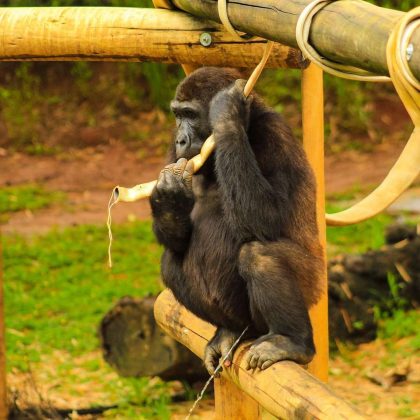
[[190, 114]]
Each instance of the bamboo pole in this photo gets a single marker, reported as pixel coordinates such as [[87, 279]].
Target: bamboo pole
[[233, 404], [285, 389], [313, 143], [127, 34], [350, 32], [3, 387]]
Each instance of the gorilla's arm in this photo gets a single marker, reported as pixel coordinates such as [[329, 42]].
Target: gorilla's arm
[[251, 203], [172, 201]]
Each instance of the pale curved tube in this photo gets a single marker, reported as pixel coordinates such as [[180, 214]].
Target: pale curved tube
[[133, 194], [400, 177], [145, 190], [407, 168]]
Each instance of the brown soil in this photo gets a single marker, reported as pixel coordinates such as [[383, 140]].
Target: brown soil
[[88, 175]]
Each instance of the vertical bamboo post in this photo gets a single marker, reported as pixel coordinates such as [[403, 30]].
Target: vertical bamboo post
[[3, 388], [233, 404], [313, 142]]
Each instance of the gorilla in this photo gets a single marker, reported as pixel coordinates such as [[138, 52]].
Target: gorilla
[[240, 236]]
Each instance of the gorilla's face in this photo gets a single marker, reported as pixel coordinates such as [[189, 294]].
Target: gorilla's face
[[192, 127]]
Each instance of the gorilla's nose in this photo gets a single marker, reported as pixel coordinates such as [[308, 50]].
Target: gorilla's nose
[[182, 145]]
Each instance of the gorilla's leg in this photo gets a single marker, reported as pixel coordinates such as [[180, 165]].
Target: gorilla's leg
[[271, 271], [218, 347]]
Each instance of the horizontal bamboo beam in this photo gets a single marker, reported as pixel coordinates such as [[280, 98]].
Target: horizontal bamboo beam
[[285, 389], [349, 32], [126, 34]]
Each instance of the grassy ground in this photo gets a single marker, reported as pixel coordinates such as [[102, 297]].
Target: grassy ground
[[26, 197], [58, 287]]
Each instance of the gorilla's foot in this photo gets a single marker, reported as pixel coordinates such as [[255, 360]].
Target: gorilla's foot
[[218, 347], [272, 348]]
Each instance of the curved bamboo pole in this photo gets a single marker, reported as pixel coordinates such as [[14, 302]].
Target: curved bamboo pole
[[285, 389], [407, 168]]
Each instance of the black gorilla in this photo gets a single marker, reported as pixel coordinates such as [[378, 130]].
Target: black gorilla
[[240, 236]]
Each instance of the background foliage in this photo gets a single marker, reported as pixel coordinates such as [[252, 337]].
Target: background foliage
[[30, 93]]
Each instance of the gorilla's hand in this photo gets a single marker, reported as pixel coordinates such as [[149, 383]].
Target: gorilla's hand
[[173, 189], [229, 107]]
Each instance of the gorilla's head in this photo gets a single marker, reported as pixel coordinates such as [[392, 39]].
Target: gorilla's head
[[191, 107]]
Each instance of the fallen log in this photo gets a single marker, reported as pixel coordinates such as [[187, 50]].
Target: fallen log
[[133, 344]]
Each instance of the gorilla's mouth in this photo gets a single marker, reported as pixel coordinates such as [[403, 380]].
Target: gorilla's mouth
[[190, 153]]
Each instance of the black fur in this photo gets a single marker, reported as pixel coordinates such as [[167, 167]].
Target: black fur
[[241, 241]]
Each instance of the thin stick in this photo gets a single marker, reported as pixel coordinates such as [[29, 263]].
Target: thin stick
[[111, 204], [216, 371]]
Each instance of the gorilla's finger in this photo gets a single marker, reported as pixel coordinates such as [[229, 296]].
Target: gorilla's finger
[[266, 364], [169, 168], [254, 361], [248, 360], [188, 173], [179, 166], [160, 177], [167, 178], [189, 167], [239, 85], [261, 361], [217, 371], [225, 348], [211, 359]]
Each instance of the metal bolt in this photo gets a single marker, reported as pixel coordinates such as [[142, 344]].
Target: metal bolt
[[205, 39], [409, 52]]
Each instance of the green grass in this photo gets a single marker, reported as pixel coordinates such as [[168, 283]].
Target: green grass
[[402, 324], [57, 288], [27, 197], [356, 238]]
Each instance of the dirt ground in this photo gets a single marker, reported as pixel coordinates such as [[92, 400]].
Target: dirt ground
[[88, 175]]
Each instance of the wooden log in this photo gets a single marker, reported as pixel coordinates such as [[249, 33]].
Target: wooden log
[[349, 32], [127, 34], [285, 389], [313, 143], [134, 346], [233, 404]]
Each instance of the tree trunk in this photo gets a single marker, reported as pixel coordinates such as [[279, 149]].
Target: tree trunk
[[134, 345]]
